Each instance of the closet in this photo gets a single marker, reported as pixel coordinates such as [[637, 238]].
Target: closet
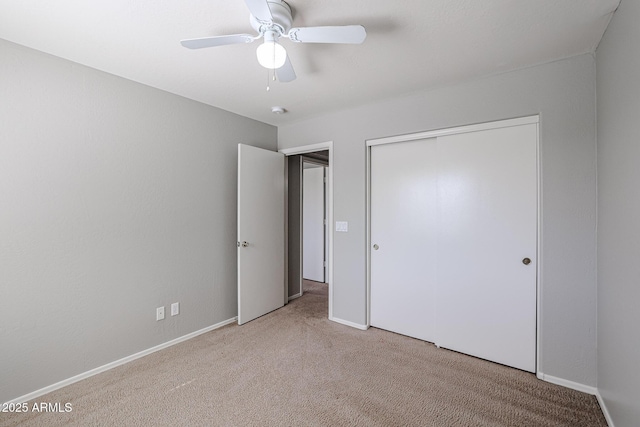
[[453, 238]]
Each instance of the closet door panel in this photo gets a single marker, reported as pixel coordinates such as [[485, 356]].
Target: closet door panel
[[403, 233], [487, 226]]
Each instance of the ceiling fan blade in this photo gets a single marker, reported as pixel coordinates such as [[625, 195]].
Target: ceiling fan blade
[[260, 10], [285, 73], [217, 41], [352, 34]]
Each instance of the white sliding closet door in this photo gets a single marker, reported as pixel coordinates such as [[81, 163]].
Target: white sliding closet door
[[454, 241], [403, 211], [487, 204]]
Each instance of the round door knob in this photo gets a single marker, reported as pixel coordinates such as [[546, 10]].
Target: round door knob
[[376, 247], [526, 261]]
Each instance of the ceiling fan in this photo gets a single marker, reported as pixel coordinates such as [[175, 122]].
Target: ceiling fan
[[272, 19]]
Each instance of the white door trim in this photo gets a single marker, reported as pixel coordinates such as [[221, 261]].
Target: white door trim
[[310, 149], [452, 131]]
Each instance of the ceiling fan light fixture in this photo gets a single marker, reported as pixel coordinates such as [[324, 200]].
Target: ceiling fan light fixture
[[273, 19], [271, 54]]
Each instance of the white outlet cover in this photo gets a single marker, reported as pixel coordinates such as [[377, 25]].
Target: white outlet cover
[[159, 313], [342, 226]]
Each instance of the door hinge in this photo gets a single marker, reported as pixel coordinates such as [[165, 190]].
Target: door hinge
[[324, 263]]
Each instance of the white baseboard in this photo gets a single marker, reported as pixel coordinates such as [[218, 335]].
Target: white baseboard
[[347, 323], [580, 387], [100, 369], [605, 411], [569, 384], [292, 297]]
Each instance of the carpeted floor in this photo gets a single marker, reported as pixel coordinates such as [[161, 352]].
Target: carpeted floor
[[295, 367]]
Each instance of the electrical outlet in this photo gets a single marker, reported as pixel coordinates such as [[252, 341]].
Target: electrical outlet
[[342, 226], [175, 308], [160, 313]]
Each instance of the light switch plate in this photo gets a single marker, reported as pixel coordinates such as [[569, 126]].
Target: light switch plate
[[342, 226], [175, 308]]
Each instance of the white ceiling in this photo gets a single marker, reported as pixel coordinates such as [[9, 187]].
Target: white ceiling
[[411, 45]]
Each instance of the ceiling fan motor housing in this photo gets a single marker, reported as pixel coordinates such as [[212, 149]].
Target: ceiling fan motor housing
[[282, 18]]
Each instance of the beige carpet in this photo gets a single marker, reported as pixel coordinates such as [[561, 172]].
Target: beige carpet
[[293, 367]]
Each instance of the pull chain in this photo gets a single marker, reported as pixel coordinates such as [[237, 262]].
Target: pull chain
[[273, 78], [274, 70]]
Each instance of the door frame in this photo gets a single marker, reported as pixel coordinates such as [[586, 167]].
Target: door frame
[[535, 119], [310, 149]]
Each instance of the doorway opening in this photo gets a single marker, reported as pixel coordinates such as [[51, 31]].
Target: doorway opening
[[307, 220], [309, 200]]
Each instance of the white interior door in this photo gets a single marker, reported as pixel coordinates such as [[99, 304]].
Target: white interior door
[[487, 210], [403, 237], [313, 224], [260, 232]]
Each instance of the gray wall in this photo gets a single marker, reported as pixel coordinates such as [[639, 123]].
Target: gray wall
[[294, 231], [563, 93], [116, 198], [618, 87]]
